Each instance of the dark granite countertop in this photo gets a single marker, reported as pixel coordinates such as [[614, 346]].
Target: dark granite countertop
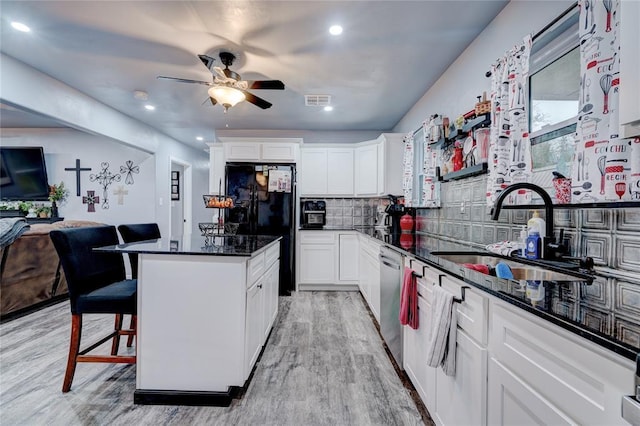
[[557, 302], [226, 245]]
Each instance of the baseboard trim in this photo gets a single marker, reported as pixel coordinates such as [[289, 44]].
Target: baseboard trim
[[192, 398]]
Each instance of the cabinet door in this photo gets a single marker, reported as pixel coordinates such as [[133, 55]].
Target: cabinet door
[[312, 173], [374, 286], [512, 402], [462, 399], [367, 170], [348, 257], [285, 152], [340, 171], [270, 300], [254, 325], [317, 264], [380, 180], [414, 355], [363, 283], [242, 151]]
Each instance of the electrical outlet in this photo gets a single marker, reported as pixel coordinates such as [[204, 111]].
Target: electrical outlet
[[462, 207]]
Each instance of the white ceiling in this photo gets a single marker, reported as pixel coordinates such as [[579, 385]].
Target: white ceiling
[[389, 55]]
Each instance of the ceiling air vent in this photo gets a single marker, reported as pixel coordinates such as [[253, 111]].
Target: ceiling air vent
[[317, 100]]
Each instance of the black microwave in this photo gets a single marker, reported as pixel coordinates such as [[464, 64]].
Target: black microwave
[[314, 214]]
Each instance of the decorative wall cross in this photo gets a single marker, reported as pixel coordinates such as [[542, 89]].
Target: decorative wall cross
[[129, 169], [120, 193], [105, 178], [77, 169], [90, 200]]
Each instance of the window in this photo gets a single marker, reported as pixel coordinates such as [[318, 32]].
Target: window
[[554, 95]]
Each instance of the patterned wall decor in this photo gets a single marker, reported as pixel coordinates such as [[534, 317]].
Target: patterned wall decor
[[610, 236], [602, 160], [430, 196], [510, 148], [407, 166]]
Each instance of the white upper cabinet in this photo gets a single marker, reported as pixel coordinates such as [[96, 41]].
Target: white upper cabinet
[[326, 171], [378, 168], [312, 173], [340, 171], [268, 150], [367, 170], [630, 68], [390, 151]]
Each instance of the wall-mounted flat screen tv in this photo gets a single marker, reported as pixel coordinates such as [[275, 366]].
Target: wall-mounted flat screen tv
[[23, 174]]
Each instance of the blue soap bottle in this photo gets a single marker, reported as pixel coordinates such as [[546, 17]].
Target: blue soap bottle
[[532, 249]]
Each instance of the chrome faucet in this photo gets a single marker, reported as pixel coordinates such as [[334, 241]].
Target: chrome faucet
[[548, 208]]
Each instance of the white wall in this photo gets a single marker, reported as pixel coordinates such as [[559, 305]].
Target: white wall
[[24, 87], [63, 146], [455, 91]]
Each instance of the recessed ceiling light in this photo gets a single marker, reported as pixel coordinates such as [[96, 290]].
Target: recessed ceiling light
[[199, 138], [328, 108], [20, 27], [335, 30], [149, 107]]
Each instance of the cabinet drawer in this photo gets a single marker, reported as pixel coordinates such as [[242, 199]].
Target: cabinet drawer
[[255, 268], [317, 237], [271, 255], [427, 278], [472, 313]]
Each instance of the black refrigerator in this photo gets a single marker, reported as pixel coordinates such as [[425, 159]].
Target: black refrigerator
[[264, 196]]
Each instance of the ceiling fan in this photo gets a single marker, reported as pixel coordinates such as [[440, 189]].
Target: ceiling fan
[[227, 87]]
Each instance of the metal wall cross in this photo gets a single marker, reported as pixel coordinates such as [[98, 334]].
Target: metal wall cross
[[90, 200], [78, 169]]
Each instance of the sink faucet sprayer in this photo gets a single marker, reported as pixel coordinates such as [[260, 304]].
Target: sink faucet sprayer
[[551, 249]]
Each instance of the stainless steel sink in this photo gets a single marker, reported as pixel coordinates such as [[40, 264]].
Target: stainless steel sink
[[520, 270], [533, 273]]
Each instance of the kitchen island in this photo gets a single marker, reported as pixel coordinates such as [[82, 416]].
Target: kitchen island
[[204, 314]]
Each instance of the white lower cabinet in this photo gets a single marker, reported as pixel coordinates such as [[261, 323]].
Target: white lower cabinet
[[514, 402], [254, 321], [550, 375], [414, 357], [317, 264], [369, 277], [462, 399], [348, 257], [327, 260]]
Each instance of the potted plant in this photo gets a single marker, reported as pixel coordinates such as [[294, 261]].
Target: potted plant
[[57, 194], [43, 212]]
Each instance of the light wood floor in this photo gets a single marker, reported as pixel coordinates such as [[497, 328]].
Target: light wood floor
[[324, 364]]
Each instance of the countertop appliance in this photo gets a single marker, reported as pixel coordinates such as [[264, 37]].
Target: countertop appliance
[[395, 210], [264, 196], [390, 285], [314, 214]]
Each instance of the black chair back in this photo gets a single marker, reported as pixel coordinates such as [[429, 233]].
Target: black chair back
[[85, 269], [132, 233]]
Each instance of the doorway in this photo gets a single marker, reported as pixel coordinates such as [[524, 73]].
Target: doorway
[[181, 189]]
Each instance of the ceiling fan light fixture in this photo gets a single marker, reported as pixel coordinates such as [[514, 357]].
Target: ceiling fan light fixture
[[226, 96]]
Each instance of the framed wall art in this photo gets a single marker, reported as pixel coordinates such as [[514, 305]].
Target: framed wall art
[[175, 185]]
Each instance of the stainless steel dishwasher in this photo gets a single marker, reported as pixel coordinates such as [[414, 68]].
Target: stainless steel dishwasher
[[390, 284]]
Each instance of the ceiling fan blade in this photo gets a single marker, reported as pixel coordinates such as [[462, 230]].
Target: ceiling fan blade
[[184, 80], [207, 61], [259, 102], [266, 84]]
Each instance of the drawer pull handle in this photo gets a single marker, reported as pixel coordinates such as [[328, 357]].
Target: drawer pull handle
[[414, 273], [462, 293]]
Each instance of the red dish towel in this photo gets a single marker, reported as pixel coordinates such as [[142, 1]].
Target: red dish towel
[[409, 300]]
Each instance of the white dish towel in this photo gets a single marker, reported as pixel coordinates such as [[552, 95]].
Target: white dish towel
[[443, 325]]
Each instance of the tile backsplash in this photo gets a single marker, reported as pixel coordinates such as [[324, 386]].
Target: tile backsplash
[[349, 212], [610, 236]]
